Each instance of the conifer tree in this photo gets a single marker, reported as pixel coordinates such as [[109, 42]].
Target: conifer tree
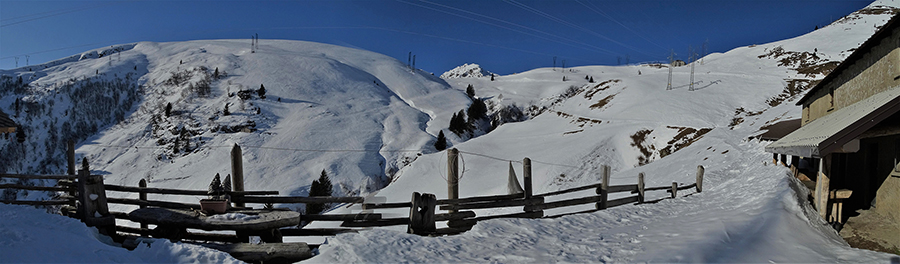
[[470, 91], [216, 73], [441, 143], [477, 110], [226, 112], [261, 91], [319, 187], [168, 109]]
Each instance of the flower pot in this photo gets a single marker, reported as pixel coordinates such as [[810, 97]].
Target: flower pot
[[213, 206]]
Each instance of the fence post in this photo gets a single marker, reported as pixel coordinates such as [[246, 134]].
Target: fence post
[[604, 188], [143, 197], [421, 214], [93, 209], [674, 189], [70, 161], [453, 175], [640, 187], [526, 172], [70, 157], [237, 171], [700, 171]]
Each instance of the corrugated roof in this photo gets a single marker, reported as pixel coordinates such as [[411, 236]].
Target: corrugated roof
[[5, 121], [858, 54], [829, 133]]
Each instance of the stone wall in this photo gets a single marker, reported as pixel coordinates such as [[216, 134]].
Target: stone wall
[[878, 70]]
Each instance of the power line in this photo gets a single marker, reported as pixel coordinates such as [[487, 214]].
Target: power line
[[570, 24], [49, 14], [597, 10], [553, 39]]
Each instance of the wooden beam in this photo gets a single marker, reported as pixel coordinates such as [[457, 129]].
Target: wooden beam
[[565, 203], [259, 253], [622, 201], [382, 222], [35, 188], [367, 206], [163, 204], [475, 199], [494, 204], [44, 177], [297, 199], [454, 216], [536, 214], [46, 202], [453, 175], [316, 231], [341, 217], [822, 186], [119, 188]]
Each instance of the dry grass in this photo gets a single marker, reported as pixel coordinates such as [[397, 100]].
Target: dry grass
[[637, 140], [794, 88], [685, 137], [603, 102], [599, 88]]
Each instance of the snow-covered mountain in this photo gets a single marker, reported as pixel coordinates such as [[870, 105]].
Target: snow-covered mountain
[[367, 119], [466, 71], [358, 115]]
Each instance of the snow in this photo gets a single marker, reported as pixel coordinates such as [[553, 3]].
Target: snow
[[29, 235], [232, 217], [368, 120], [466, 71]]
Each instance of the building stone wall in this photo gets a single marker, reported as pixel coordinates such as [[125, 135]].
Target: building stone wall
[[877, 71]]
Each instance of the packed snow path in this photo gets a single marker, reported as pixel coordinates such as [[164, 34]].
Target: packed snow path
[[748, 212]]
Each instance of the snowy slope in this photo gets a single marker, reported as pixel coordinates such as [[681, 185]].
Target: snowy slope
[[358, 115]]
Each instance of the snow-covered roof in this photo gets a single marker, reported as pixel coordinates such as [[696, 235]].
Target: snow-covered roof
[[829, 133]]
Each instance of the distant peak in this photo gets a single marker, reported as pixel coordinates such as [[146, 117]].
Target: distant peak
[[466, 71]]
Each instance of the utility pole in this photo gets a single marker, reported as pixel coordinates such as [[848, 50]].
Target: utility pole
[[414, 62], [17, 62], [554, 63], [693, 59], [409, 60], [27, 57], [705, 50], [671, 65]]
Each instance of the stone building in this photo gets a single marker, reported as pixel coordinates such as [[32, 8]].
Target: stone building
[[850, 132]]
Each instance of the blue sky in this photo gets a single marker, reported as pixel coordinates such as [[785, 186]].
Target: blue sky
[[504, 36]]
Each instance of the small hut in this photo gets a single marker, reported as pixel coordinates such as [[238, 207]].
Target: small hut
[[6, 125]]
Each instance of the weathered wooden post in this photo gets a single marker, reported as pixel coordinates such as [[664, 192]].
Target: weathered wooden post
[[674, 189], [700, 171], [93, 209], [822, 186], [421, 214], [70, 157], [237, 171], [603, 191], [70, 161], [453, 175], [526, 172], [640, 187], [142, 195]]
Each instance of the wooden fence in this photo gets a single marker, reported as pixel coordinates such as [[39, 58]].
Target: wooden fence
[[83, 196]]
